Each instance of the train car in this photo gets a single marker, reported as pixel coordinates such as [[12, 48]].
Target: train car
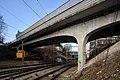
[[19, 54]]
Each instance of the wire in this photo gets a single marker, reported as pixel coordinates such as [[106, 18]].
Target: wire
[[35, 13], [31, 9], [6, 34], [43, 10], [13, 15], [12, 27], [42, 7]]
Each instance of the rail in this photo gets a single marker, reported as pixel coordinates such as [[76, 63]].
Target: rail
[[18, 72]]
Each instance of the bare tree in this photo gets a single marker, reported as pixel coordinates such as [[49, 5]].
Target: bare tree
[[2, 29]]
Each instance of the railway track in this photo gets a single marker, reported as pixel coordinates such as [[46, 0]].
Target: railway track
[[55, 73], [38, 72], [26, 65], [11, 71]]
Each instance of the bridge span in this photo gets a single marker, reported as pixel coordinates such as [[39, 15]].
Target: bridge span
[[75, 21]]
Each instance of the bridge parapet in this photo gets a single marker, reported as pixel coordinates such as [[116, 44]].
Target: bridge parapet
[[66, 10]]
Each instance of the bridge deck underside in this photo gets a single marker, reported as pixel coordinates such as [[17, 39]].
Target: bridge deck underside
[[76, 19]]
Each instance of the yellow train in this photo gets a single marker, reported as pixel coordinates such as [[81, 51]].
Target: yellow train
[[20, 52]]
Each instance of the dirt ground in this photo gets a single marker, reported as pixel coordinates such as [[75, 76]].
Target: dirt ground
[[9, 63], [103, 70]]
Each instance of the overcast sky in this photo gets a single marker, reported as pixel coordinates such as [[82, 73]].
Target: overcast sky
[[16, 14]]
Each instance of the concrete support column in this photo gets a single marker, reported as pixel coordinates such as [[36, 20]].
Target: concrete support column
[[81, 61]]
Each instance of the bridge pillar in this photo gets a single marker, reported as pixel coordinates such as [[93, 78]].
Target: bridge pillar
[[81, 60]]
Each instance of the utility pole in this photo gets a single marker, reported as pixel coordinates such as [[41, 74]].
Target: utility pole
[[66, 55], [53, 53], [22, 52]]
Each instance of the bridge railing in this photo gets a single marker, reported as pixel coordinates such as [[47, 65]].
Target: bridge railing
[[54, 13], [59, 14]]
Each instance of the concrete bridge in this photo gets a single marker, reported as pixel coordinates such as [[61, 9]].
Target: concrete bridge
[[75, 21]]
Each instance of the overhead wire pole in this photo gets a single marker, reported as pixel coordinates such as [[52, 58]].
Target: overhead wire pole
[[22, 52]]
